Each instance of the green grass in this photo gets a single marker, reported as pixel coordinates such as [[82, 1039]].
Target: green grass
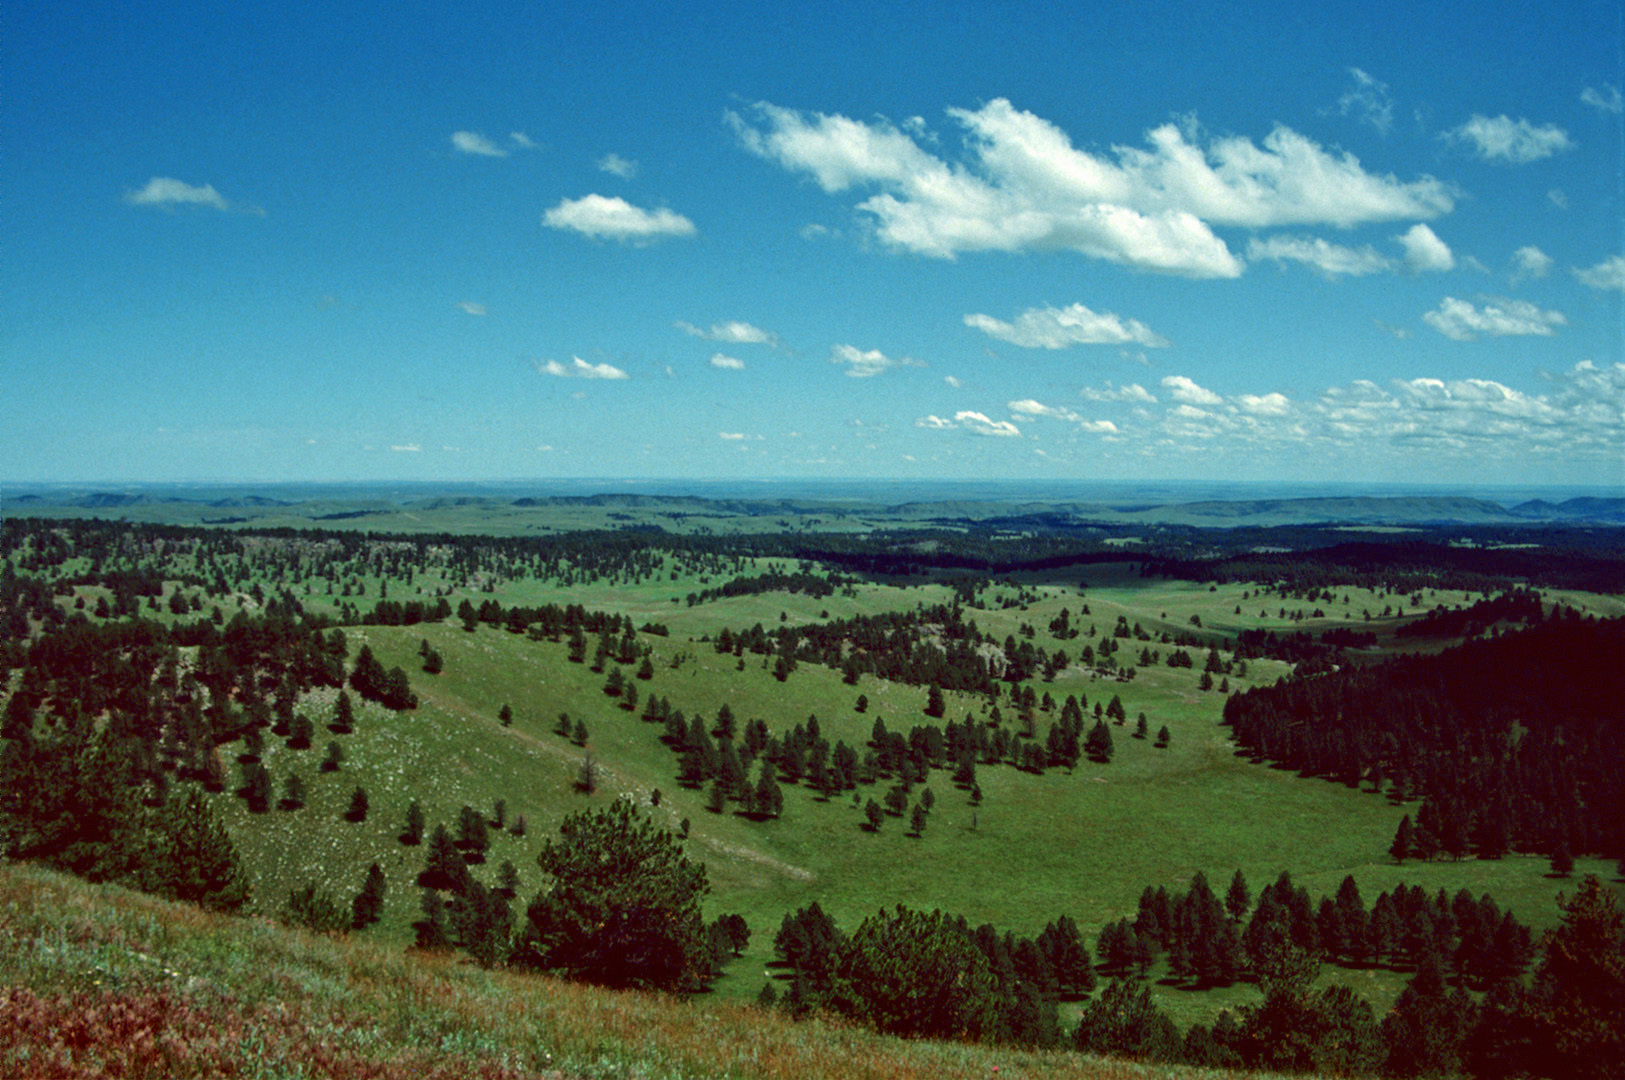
[[1083, 843], [101, 981]]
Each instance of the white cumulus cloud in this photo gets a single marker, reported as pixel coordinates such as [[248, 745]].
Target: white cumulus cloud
[[732, 332], [606, 218], [1530, 262], [1023, 185], [1058, 328], [1462, 321], [1181, 388], [978, 424], [1424, 251], [167, 191], [472, 142], [861, 363], [1501, 138], [732, 364], [1328, 258], [1029, 407], [580, 369], [1608, 274], [1273, 404]]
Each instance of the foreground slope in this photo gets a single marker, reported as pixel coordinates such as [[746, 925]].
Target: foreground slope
[[97, 980]]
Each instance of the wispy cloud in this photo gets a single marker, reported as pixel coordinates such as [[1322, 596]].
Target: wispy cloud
[[1132, 392], [606, 218], [1028, 408], [1367, 101], [1501, 138], [407, 448], [1606, 100], [1024, 186], [472, 308], [862, 364], [1465, 419], [580, 369], [616, 165], [1332, 260], [732, 332], [472, 142], [164, 191], [1608, 274], [1461, 321], [1058, 328], [523, 141], [731, 363]]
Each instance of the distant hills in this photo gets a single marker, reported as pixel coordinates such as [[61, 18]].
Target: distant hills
[[481, 508]]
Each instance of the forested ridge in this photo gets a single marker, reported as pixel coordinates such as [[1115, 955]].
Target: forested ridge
[[1514, 742]]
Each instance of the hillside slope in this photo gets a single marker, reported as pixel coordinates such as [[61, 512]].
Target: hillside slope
[[97, 980]]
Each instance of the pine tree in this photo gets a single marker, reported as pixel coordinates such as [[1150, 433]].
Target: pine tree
[[315, 909], [874, 815], [432, 931], [505, 715], [1403, 846], [343, 714], [293, 797], [622, 904], [1424, 1032], [444, 867], [189, 856], [334, 759], [1098, 744], [412, 834], [368, 905], [1237, 901], [358, 806], [473, 834], [917, 820]]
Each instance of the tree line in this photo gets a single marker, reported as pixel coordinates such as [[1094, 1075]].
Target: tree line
[[1514, 743]]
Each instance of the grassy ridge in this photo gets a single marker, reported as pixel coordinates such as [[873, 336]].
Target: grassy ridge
[[99, 980]]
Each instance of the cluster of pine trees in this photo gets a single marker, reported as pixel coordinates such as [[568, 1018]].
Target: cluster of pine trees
[[918, 974], [910, 973], [1209, 941], [1532, 760]]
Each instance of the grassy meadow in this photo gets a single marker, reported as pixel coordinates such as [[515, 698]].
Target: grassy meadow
[[1082, 843]]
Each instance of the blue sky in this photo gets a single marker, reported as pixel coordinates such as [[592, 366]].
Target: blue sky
[[1353, 242]]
